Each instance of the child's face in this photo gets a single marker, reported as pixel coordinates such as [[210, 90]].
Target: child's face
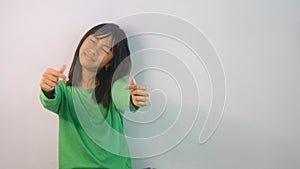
[[95, 52]]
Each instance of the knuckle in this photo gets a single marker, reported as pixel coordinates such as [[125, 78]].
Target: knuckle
[[45, 74], [48, 70]]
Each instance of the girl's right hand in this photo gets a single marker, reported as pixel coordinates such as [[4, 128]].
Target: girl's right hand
[[50, 78]]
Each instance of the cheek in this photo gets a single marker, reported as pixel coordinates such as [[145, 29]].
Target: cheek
[[82, 48], [106, 59], [85, 45], [109, 58]]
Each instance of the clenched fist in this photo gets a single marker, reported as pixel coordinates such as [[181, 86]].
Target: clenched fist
[[139, 93], [50, 78]]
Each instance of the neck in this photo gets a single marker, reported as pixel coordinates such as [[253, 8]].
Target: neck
[[88, 78]]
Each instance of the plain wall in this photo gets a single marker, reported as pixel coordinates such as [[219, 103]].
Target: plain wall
[[257, 44]]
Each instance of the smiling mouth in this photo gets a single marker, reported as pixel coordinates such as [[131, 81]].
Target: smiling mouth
[[88, 57]]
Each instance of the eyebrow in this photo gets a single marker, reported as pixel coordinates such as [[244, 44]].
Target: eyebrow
[[101, 37], [98, 37]]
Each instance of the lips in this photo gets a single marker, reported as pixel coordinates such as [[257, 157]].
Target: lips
[[88, 57]]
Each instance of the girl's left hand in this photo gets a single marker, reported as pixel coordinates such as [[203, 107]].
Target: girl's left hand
[[139, 93]]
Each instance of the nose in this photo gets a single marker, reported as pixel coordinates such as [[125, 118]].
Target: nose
[[92, 52]]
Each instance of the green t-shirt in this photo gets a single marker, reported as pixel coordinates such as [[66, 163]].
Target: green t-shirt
[[87, 139]]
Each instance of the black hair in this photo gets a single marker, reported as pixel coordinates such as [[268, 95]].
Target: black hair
[[120, 52]]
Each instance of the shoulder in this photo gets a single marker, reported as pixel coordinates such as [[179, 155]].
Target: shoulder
[[118, 86], [120, 82]]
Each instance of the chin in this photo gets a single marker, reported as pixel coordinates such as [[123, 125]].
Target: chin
[[89, 66]]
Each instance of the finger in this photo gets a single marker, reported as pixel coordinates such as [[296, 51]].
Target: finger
[[62, 76], [49, 82], [131, 87], [46, 87], [141, 104], [140, 98], [132, 81], [142, 87], [57, 74], [62, 68], [139, 93], [50, 77], [53, 72]]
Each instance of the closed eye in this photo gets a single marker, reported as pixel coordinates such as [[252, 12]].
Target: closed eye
[[106, 49], [92, 40]]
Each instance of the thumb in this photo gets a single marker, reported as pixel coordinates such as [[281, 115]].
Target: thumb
[[132, 81], [62, 68]]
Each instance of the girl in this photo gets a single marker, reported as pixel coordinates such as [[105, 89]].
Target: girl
[[89, 137]]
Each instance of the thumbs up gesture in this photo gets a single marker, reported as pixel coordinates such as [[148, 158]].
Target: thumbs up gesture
[[139, 93], [50, 78]]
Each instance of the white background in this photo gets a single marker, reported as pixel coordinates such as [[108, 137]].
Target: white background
[[258, 45]]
